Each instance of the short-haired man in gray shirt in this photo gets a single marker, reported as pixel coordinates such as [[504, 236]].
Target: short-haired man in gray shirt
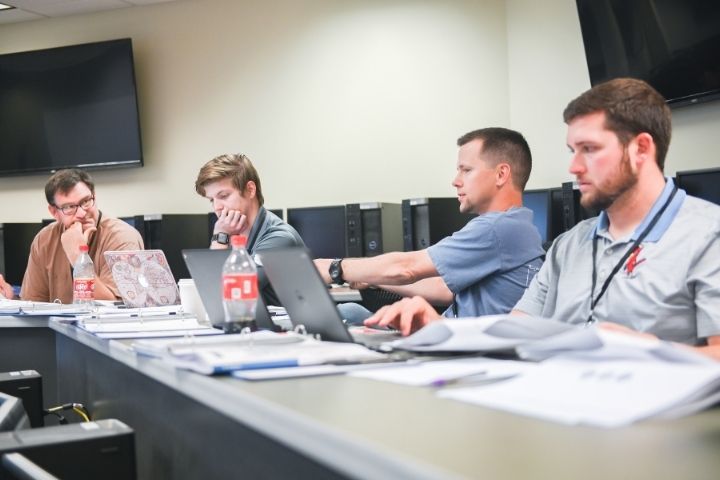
[[483, 268], [650, 262]]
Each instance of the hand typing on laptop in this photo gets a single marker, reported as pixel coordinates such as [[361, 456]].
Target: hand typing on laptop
[[406, 316]]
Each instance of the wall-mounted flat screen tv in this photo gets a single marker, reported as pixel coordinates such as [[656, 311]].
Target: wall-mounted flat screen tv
[[674, 45], [72, 106]]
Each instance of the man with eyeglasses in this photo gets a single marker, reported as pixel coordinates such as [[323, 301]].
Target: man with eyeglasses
[[71, 201]]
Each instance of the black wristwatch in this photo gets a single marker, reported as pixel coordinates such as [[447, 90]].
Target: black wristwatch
[[336, 271], [222, 238]]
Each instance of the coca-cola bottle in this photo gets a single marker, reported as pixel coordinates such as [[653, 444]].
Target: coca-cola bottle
[[83, 278], [240, 288]]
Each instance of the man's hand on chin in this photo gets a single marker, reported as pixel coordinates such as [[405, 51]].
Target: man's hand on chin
[[73, 237]]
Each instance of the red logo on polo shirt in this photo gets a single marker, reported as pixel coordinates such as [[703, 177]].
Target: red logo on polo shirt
[[633, 261]]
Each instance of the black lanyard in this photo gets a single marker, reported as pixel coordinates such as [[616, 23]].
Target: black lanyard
[[635, 245]]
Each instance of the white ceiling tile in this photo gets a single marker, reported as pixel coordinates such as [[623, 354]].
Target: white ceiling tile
[[75, 7], [148, 2], [12, 16], [34, 9]]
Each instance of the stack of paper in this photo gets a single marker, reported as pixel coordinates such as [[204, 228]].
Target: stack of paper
[[607, 394], [258, 350], [135, 326], [26, 308]]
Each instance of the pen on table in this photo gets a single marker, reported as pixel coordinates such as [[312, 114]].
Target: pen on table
[[475, 378]]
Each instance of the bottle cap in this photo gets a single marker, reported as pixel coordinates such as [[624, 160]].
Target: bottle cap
[[84, 248], [238, 240]]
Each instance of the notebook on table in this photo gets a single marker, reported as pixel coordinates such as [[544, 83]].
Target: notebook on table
[[143, 278], [305, 296], [205, 267]]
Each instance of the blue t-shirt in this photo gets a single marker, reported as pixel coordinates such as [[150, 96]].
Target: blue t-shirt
[[490, 262]]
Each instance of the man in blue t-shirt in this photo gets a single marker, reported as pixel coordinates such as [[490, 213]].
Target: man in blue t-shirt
[[485, 267]]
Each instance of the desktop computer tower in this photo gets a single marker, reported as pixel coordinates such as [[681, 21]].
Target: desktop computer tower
[[15, 249], [27, 386], [101, 449], [373, 228], [172, 233], [566, 211], [426, 221]]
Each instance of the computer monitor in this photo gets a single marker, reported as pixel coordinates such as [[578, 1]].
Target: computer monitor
[[12, 414], [321, 228], [703, 184], [539, 202], [16, 239]]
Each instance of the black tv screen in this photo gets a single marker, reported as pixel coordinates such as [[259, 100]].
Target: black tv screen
[[674, 45], [70, 106]]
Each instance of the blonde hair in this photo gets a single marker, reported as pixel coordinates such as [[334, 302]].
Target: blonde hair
[[237, 167]]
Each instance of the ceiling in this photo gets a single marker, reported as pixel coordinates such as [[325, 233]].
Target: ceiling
[[37, 9]]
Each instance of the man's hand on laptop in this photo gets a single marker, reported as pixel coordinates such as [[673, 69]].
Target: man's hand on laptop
[[406, 315]]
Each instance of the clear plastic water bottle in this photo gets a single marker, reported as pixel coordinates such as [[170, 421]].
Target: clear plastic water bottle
[[240, 288], [84, 278]]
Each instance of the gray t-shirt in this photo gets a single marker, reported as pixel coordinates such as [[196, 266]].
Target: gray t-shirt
[[672, 288], [272, 232], [489, 263]]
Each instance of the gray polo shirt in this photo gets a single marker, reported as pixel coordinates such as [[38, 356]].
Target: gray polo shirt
[[273, 233], [489, 263], [672, 290]]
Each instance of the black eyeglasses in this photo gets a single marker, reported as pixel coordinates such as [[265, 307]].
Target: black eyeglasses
[[71, 209]]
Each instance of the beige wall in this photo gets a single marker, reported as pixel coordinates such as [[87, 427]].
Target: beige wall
[[336, 101]]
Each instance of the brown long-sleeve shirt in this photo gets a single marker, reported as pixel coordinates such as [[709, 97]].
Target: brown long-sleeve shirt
[[49, 273]]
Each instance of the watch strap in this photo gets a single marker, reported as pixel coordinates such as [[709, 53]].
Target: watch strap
[[222, 238], [336, 271]]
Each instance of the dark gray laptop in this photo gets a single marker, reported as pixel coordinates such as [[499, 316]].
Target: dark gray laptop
[[305, 296], [205, 267]]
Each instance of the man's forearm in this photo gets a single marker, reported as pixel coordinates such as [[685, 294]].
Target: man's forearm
[[394, 268], [102, 291], [432, 289]]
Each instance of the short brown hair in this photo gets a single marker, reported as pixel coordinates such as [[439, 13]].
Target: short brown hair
[[236, 166], [64, 180], [631, 107], [504, 145]]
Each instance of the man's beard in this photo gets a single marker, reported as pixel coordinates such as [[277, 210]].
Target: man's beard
[[623, 181]]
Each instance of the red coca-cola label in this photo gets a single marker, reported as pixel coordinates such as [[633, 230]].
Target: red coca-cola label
[[83, 288], [241, 286]]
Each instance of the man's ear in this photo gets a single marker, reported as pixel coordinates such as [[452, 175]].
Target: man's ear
[[502, 174], [645, 149], [250, 189], [54, 212]]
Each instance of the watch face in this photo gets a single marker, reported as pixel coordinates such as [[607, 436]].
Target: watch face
[[335, 271], [222, 238]]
